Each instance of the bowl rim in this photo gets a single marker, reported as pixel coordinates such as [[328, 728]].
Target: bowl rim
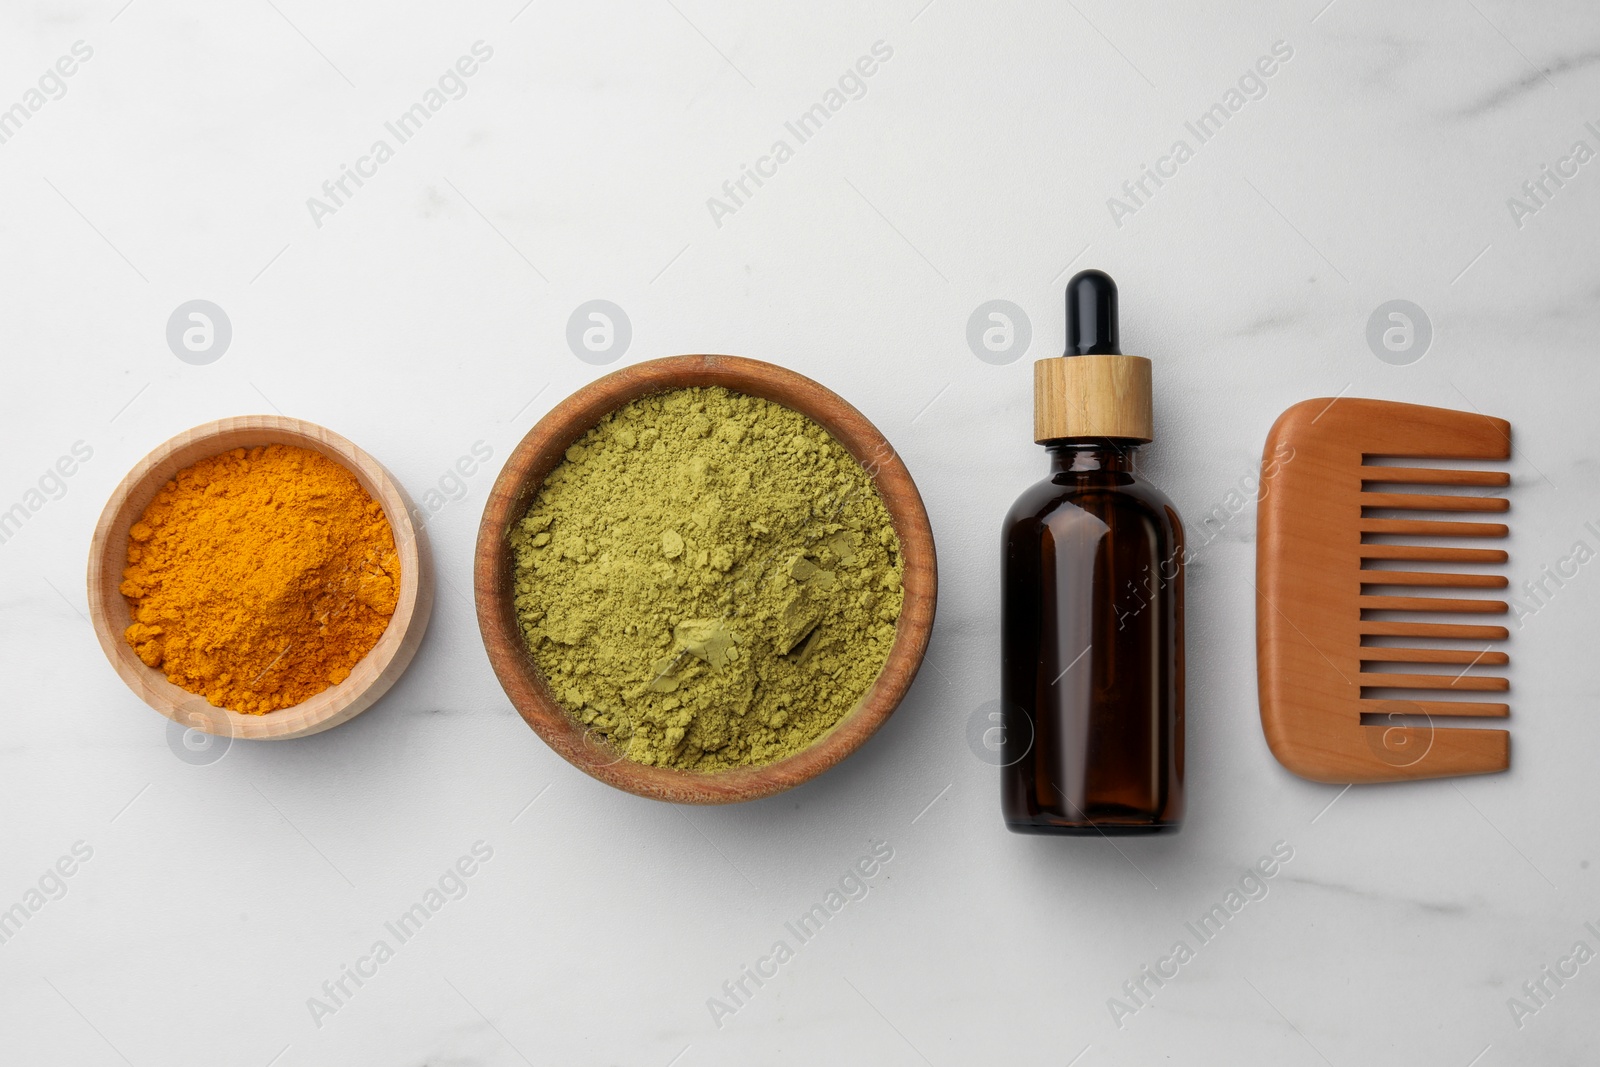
[[540, 450], [371, 677]]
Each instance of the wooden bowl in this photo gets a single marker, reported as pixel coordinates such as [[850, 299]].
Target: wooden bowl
[[543, 448], [370, 678]]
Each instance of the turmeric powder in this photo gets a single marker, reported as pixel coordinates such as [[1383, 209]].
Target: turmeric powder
[[258, 578]]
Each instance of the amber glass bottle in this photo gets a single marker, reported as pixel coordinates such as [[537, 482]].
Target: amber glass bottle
[[1092, 615]]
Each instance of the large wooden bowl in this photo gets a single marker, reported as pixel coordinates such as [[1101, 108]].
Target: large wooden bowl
[[370, 678], [543, 448]]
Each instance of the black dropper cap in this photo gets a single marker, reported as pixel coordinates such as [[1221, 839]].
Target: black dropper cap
[[1092, 315]]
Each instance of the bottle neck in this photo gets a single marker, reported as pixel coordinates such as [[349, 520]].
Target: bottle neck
[[1080, 454]]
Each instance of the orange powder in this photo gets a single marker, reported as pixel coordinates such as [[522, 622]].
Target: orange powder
[[259, 578]]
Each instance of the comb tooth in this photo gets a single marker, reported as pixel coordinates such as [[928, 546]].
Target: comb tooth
[[1481, 581], [1453, 630], [1429, 502], [1382, 680], [1430, 476], [1431, 603], [1430, 552], [1381, 654], [1430, 528], [1442, 708]]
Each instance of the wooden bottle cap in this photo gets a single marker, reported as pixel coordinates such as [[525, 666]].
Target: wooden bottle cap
[[1092, 396]]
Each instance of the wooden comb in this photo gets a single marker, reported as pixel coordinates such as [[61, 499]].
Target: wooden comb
[[1325, 638]]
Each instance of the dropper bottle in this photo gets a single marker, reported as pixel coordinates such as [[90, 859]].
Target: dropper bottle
[[1092, 613]]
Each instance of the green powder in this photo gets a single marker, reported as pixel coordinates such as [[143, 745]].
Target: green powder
[[708, 580]]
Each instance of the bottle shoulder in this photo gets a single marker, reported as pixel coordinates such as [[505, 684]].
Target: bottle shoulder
[[1096, 492]]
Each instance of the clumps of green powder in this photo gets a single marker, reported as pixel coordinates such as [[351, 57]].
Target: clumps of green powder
[[708, 580]]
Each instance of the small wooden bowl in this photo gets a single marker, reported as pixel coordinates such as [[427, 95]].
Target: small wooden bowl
[[543, 448], [372, 676]]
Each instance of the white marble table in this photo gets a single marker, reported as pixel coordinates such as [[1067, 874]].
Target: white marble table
[[424, 312]]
